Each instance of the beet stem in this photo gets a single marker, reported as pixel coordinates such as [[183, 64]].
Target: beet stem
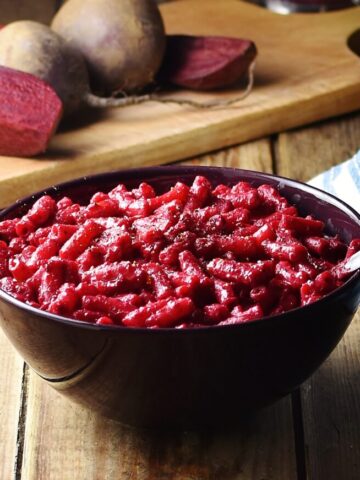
[[100, 102]]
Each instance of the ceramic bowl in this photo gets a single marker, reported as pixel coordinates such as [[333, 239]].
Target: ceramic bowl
[[185, 378]]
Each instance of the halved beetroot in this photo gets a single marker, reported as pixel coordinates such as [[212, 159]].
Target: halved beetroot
[[206, 63], [30, 111]]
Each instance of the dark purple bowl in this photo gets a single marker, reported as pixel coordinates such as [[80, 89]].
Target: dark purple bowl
[[185, 378]]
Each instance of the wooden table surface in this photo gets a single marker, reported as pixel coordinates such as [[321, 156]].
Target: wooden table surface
[[312, 434]]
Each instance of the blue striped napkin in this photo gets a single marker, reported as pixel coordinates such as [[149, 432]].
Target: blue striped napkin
[[343, 181]]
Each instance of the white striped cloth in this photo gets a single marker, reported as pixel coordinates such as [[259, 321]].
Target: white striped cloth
[[343, 181]]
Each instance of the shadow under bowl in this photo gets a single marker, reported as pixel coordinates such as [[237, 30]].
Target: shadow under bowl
[[201, 377]]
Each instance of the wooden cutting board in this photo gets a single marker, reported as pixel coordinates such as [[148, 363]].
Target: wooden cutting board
[[305, 72]]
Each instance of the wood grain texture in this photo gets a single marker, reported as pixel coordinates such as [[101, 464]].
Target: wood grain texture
[[331, 406], [10, 398], [63, 438], [306, 152], [250, 156], [321, 80], [331, 398]]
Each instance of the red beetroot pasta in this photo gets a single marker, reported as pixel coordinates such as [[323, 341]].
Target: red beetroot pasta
[[193, 256]]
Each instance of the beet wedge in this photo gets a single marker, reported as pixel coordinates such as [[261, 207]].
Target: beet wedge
[[30, 111], [206, 63]]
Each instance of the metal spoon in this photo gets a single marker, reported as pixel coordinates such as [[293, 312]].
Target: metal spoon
[[352, 263]]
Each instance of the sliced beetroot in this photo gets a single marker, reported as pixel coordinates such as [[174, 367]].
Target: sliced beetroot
[[30, 111], [206, 63]]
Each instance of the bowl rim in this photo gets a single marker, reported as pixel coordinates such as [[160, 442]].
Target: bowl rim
[[193, 169]]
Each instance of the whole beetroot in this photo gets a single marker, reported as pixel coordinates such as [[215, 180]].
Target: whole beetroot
[[34, 48], [122, 41]]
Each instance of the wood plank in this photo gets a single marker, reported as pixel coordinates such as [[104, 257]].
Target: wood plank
[[63, 438], [11, 374], [332, 412], [250, 156], [321, 80], [330, 399], [306, 152]]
